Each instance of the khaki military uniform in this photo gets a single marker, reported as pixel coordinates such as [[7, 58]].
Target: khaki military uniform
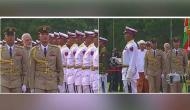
[[102, 68], [46, 72], [178, 64], [13, 69], [154, 64]]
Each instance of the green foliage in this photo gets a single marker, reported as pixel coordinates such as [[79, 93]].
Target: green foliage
[[147, 29], [29, 25]]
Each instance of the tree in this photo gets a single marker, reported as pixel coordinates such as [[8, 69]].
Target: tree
[[147, 29], [64, 25]]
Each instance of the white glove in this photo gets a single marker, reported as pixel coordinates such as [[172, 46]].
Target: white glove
[[32, 90], [176, 77], [23, 88], [146, 76], [162, 76], [106, 74], [59, 88]]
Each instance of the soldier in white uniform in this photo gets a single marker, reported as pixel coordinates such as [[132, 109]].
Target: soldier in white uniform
[[55, 38], [71, 63], [95, 65], [78, 61], [87, 62], [51, 35], [129, 56], [64, 54]]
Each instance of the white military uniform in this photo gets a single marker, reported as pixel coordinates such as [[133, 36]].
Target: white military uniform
[[95, 75], [64, 53], [78, 64], [87, 62], [129, 74], [70, 68]]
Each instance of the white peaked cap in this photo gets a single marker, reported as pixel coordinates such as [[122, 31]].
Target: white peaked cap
[[78, 32], [130, 29], [33, 42], [96, 30], [89, 33], [56, 33], [104, 39], [71, 34], [37, 41], [51, 35], [63, 35], [18, 39]]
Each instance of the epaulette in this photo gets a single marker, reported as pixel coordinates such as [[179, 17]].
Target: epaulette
[[91, 45], [159, 50], [148, 51], [64, 45], [34, 48], [2, 47], [19, 46], [183, 51], [103, 50], [53, 46], [74, 45], [82, 45]]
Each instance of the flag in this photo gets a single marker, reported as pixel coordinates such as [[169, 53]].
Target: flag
[[186, 46], [185, 36]]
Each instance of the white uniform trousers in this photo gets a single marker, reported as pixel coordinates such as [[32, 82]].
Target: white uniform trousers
[[64, 87], [133, 86], [70, 80], [78, 80], [103, 86], [95, 82], [86, 88]]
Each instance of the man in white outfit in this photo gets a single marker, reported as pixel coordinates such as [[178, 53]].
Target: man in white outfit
[[71, 63], [129, 57], [79, 61], [64, 54], [95, 65], [142, 83], [87, 62]]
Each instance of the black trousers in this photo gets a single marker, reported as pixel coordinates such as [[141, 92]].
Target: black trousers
[[116, 83]]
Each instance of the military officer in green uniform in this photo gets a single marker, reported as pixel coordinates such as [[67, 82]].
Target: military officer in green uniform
[[12, 65], [178, 67], [154, 66], [103, 64], [46, 65]]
